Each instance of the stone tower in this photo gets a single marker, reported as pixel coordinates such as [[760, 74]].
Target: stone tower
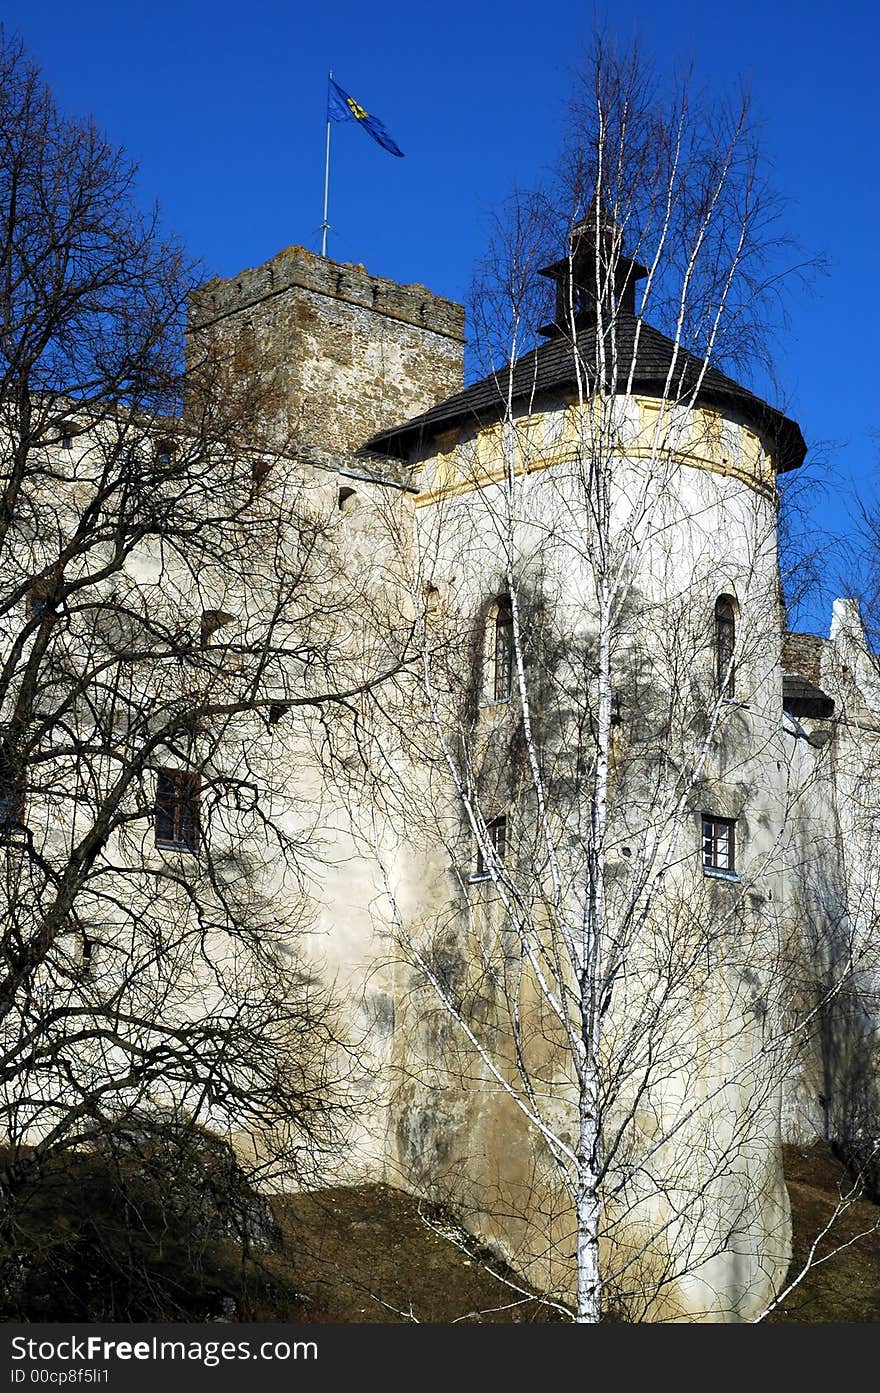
[[344, 354]]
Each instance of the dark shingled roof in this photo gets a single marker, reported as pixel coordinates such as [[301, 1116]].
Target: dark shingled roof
[[803, 698], [550, 368]]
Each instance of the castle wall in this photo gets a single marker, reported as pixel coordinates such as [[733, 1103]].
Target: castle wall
[[833, 890]]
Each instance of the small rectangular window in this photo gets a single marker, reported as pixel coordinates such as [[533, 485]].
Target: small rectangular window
[[13, 789], [719, 843], [260, 471], [496, 832], [178, 793], [88, 953]]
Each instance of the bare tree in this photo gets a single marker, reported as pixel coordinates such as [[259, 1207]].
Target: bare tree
[[600, 763], [178, 628]]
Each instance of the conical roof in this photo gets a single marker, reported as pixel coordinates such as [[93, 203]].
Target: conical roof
[[550, 369]]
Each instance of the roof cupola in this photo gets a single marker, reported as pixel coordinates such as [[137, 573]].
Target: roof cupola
[[595, 271]]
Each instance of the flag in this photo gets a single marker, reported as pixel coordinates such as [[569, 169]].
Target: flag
[[342, 107]]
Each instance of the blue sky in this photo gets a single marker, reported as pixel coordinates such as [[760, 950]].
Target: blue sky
[[222, 104]]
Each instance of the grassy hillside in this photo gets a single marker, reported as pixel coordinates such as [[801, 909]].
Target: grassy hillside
[[365, 1254], [119, 1243]]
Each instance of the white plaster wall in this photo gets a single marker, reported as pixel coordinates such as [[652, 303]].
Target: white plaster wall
[[702, 533]]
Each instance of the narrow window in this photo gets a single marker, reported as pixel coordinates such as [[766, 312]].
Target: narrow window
[[503, 658], [719, 843], [87, 956], [165, 453], [260, 471], [731, 442], [725, 643], [13, 790], [177, 809], [67, 437], [37, 600], [496, 832]]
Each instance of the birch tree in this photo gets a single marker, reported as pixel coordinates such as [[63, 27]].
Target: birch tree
[[600, 768]]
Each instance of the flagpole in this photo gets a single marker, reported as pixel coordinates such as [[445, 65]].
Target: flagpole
[[325, 224]]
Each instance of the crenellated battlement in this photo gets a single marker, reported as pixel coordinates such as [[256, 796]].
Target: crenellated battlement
[[298, 268]]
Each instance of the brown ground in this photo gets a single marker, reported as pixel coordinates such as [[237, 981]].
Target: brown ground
[[847, 1286], [366, 1254]]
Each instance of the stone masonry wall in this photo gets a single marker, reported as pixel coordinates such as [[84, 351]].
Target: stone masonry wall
[[347, 353], [802, 654]]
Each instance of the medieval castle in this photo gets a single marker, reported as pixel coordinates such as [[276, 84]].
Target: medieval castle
[[596, 883], [763, 840]]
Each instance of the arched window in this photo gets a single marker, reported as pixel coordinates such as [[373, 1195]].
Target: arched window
[[725, 644], [503, 649]]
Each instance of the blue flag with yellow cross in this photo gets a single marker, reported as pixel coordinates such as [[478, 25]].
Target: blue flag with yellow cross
[[342, 107]]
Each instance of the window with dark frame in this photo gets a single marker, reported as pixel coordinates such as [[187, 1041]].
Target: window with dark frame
[[260, 471], [725, 643], [13, 792], [719, 843], [178, 793], [503, 664], [87, 956], [496, 833]]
